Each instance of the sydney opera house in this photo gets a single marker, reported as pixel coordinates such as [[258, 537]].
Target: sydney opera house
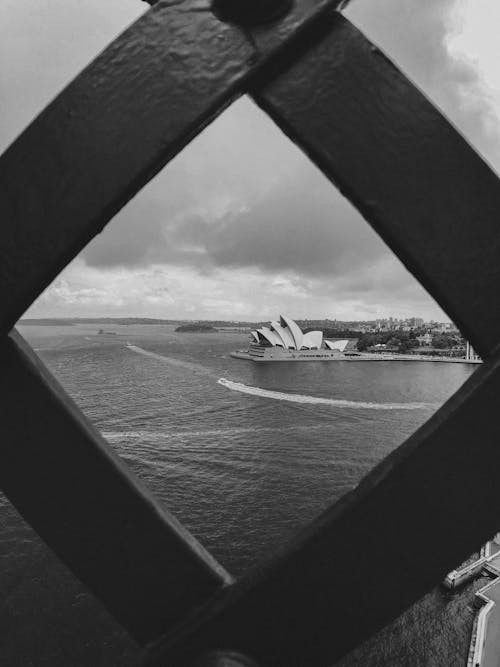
[[285, 341]]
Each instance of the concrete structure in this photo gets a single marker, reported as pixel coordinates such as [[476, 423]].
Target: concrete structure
[[287, 334], [285, 341], [485, 638], [470, 353]]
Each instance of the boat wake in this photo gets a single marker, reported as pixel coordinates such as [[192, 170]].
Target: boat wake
[[162, 436], [187, 365], [302, 398]]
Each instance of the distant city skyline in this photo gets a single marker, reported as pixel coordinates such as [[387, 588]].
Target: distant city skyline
[[241, 224], [414, 322]]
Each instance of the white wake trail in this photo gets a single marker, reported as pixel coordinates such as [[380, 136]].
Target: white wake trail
[[187, 365], [302, 398]]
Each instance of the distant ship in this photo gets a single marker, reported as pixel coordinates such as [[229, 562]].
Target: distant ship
[[285, 341]]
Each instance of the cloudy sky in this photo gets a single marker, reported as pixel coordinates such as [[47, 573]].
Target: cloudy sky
[[240, 224]]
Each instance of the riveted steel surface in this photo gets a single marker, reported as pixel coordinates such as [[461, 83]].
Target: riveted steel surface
[[428, 505], [409, 172], [69, 485], [135, 107], [90, 151], [423, 189]]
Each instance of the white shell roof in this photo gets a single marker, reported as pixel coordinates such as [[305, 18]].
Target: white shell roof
[[270, 336], [287, 333], [337, 344], [312, 340], [284, 334], [294, 330]]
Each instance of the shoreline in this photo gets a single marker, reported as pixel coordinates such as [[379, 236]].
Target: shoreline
[[483, 646], [245, 356]]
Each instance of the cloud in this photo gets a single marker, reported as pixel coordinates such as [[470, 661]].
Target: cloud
[[241, 221], [269, 209], [243, 196], [239, 160], [44, 44], [177, 292], [416, 35], [304, 225]]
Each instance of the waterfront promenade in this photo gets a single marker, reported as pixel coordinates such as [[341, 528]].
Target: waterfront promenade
[[491, 647], [363, 356], [485, 641]]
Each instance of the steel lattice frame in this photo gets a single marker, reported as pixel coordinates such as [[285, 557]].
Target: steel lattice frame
[[422, 188]]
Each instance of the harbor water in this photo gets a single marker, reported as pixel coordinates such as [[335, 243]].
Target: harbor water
[[243, 454]]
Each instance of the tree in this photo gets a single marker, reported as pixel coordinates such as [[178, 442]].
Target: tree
[[442, 341]]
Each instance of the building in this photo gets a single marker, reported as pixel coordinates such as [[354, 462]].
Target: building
[[425, 339], [287, 335], [285, 341]]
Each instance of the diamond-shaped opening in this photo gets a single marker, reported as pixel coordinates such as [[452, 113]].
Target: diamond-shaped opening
[[44, 44], [236, 230], [450, 50]]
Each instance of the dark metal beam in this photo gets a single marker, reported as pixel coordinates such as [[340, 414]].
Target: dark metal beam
[[421, 511], [434, 500], [114, 127], [105, 136], [421, 187], [409, 172], [90, 509]]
